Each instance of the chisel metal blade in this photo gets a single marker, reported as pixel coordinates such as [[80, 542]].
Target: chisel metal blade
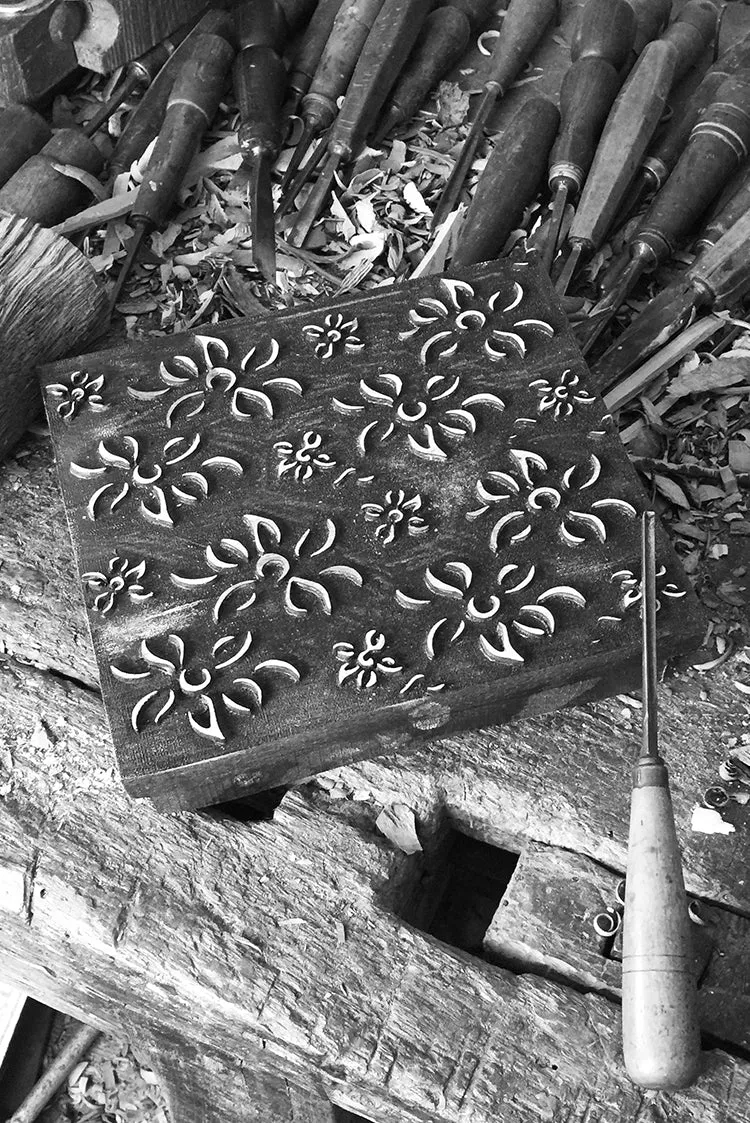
[[261, 205]]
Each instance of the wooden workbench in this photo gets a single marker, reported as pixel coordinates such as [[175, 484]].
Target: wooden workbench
[[285, 965]]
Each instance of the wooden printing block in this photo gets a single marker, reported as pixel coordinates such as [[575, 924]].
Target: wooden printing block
[[317, 535]]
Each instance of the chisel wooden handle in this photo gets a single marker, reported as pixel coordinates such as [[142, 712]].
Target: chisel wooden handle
[[660, 1033], [297, 13], [525, 22], [341, 53], [392, 37], [670, 142], [24, 132], [730, 207], [260, 77], [512, 177], [651, 16], [691, 34], [629, 128], [718, 143], [440, 45], [721, 274], [590, 86], [39, 191], [310, 48], [192, 105]]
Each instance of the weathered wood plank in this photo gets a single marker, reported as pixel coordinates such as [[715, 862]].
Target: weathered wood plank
[[273, 936], [545, 918]]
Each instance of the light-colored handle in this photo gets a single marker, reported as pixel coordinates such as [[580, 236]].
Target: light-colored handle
[[660, 1032]]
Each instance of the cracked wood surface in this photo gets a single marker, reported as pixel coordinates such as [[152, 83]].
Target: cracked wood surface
[[281, 940]]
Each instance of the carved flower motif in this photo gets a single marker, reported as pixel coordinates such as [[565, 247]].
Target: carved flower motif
[[395, 515], [121, 579], [248, 395], [129, 473], [449, 321], [333, 335], [80, 391], [562, 397], [487, 615], [366, 665], [631, 592], [270, 566], [209, 689], [529, 497], [432, 412], [304, 460]]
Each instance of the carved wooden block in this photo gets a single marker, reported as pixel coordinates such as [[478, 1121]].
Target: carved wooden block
[[320, 534]]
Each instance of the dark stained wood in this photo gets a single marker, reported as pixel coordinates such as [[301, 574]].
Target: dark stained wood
[[305, 537]]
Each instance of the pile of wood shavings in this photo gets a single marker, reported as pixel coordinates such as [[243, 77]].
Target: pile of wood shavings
[[114, 1084]]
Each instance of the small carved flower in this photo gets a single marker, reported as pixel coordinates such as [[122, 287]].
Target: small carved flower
[[366, 665], [304, 460], [395, 515], [121, 579], [563, 397], [333, 335], [81, 391], [631, 591]]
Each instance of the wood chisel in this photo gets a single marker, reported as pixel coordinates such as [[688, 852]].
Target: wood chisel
[[351, 27], [308, 53], [192, 105], [630, 126], [440, 45], [259, 85], [718, 144], [600, 48], [511, 179], [524, 25], [146, 119], [387, 48], [718, 278]]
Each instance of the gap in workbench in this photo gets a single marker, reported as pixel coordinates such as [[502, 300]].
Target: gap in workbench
[[467, 891]]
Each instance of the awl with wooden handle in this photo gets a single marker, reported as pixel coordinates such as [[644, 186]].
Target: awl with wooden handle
[[308, 53], [660, 1032], [524, 25]]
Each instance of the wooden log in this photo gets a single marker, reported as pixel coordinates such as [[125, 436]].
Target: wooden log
[[275, 937], [545, 919], [50, 301]]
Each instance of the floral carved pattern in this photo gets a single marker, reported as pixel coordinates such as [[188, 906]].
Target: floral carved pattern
[[79, 391], [467, 609], [432, 414], [132, 475], [210, 689], [121, 580], [631, 592], [304, 459], [189, 386], [454, 320], [533, 488]]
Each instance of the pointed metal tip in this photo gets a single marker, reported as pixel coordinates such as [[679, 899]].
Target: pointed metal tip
[[122, 276], [314, 204], [388, 121], [302, 148], [554, 225], [303, 176], [264, 234]]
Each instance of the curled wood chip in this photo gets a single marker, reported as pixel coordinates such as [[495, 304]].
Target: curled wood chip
[[398, 824]]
